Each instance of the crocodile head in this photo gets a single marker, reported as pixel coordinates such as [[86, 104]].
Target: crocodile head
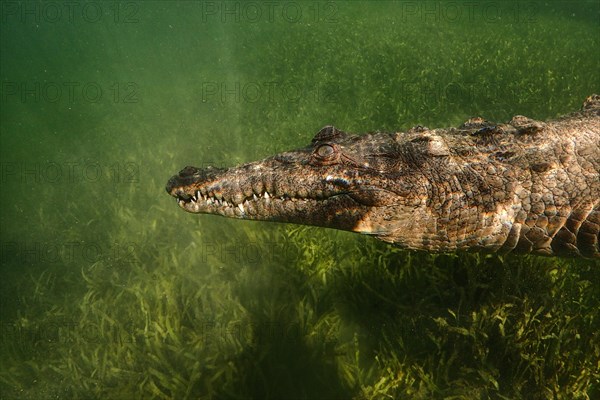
[[340, 181]]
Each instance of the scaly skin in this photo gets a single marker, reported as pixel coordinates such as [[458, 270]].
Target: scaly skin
[[524, 186]]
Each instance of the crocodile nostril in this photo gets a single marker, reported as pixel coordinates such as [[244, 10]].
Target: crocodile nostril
[[188, 171], [170, 184]]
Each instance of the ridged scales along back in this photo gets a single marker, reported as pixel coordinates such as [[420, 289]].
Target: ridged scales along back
[[561, 215]]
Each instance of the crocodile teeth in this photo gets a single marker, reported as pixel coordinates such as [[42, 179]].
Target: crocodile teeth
[[212, 199]]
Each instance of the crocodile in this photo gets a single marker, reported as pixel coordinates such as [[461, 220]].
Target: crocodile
[[524, 186]]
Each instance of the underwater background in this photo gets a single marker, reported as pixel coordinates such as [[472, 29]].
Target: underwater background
[[110, 291]]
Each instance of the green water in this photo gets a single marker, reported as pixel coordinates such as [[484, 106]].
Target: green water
[[109, 291]]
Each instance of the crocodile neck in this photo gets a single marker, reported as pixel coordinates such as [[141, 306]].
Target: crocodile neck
[[524, 186]]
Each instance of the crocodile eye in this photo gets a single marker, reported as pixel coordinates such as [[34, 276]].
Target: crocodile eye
[[325, 151]]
